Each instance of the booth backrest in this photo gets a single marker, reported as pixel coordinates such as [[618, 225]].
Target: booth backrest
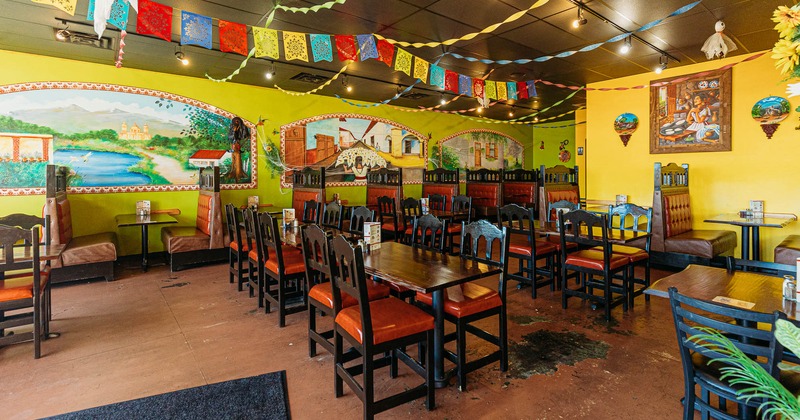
[[556, 184], [384, 182], [57, 205], [308, 184], [672, 213], [520, 187], [486, 189], [209, 207], [442, 182]]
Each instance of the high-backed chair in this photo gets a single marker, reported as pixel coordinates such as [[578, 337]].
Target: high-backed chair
[[26, 297], [204, 242], [485, 186], [409, 209], [311, 211], [376, 328], [587, 264], [437, 202], [358, 217], [284, 271], [674, 240], [238, 247], [86, 256], [331, 216], [462, 208], [307, 184], [429, 233], [387, 215], [556, 184], [525, 246], [442, 182], [384, 182], [521, 187], [633, 218]]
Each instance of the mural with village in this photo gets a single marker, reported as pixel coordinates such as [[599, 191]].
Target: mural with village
[[109, 137], [477, 149]]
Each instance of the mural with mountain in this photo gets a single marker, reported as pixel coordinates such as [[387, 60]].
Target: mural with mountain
[[113, 138]]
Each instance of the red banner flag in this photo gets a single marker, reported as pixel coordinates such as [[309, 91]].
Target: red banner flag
[[346, 47], [477, 88], [450, 81], [522, 90], [232, 37], [385, 52], [154, 19]]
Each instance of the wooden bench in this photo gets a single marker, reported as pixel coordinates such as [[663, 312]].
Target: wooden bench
[[788, 251], [558, 183], [442, 182], [521, 187], [86, 256], [204, 242], [674, 242], [485, 186]]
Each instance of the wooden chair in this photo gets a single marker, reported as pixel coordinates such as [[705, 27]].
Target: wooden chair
[[311, 211], [585, 264], [437, 202], [374, 328], [358, 217], [255, 259], [459, 204], [307, 184], [440, 181], [751, 332], [429, 233], [629, 217], [387, 215], [284, 271], [556, 184], [237, 248], [409, 209], [768, 268], [319, 272], [27, 297], [526, 248], [331, 216]]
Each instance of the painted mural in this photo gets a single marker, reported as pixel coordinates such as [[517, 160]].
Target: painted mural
[[349, 145], [478, 149], [116, 139]]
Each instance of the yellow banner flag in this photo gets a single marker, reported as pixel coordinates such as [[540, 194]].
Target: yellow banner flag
[[403, 61], [421, 69], [294, 46], [266, 41], [491, 89], [502, 91], [65, 5]]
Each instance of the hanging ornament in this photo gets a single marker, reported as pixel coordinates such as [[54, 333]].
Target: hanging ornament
[[563, 154], [541, 145], [769, 112], [625, 125], [718, 45]]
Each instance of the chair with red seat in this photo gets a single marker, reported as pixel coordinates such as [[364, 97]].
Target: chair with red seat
[[237, 247], [311, 211], [376, 328], [331, 216], [526, 248], [319, 272], [358, 217], [284, 271], [429, 233], [461, 205], [26, 297], [588, 230], [409, 209], [629, 217], [387, 216], [437, 202], [255, 261]]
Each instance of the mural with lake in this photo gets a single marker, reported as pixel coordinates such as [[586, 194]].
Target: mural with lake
[[115, 139]]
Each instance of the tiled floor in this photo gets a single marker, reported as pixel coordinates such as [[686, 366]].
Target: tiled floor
[[155, 332]]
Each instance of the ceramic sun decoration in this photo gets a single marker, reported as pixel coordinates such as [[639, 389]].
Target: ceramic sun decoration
[[718, 45], [625, 125], [769, 112]]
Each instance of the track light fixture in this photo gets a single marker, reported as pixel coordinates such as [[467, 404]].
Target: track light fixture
[[442, 100], [63, 34], [270, 71], [346, 84], [180, 56], [662, 64], [580, 20], [626, 46]]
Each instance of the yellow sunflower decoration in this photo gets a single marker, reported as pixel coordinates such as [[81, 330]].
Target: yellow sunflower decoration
[[787, 50]]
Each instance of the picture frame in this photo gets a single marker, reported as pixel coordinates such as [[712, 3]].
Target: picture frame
[[691, 113], [580, 150]]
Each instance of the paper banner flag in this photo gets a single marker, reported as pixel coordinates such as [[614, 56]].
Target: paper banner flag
[[491, 90], [437, 76], [154, 19], [512, 90], [464, 85], [346, 47], [477, 88], [403, 61], [195, 29], [531, 87], [266, 41], [385, 52], [451, 81], [321, 47], [65, 5], [118, 16], [366, 44], [232, 37], [421, 69], [502, 94], [294, 46], [522, 90]]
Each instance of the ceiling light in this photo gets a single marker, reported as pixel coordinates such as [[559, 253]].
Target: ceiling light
[[182, 58], [662, 64], [442, 100], [535, 119], [511, 113], [626, 46], [63, 34], [270, 71], [480, 110], [580, 20]]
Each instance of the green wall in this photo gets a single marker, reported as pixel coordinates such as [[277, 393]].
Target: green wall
[[552, 134]]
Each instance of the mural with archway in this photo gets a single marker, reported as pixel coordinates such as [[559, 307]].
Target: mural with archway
[[478, 149]]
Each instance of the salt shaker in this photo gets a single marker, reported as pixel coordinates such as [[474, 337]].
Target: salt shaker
[[789, 287]]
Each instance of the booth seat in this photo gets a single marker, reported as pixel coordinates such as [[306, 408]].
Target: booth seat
[[788, 251], [375, 191], [522, 193]]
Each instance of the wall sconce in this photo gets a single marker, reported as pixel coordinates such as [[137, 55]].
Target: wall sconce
[[180, 56]]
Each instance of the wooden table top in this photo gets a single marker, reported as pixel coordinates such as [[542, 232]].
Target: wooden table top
[[423, 271], [706, 283], [447, 214], [293, 236], [767, 221], [137, 220], [615, 236], [25, 253]]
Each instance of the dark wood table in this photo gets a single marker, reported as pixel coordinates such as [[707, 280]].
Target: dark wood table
[[615, 236], [25, 253], [753, 224], [293, 236], [706, 283], [144, 222], [427, 272]]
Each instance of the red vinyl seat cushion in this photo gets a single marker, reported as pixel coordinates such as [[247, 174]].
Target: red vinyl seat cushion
[[476, 299], [391, 319], [634, 254], [323, 294], [593, 260]]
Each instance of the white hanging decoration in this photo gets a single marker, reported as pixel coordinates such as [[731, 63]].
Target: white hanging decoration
[[718, 45]]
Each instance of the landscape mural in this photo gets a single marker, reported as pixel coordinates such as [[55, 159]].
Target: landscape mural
[[349, 145], [477, 149], [116, 139]]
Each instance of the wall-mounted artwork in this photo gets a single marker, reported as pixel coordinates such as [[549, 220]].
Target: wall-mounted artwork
[[476, 149], [116, 139], [349, 145], [691, 114]]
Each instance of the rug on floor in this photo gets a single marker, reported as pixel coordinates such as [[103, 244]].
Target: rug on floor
[[257, 397]]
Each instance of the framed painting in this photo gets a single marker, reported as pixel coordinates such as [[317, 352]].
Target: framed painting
[[691, 113]]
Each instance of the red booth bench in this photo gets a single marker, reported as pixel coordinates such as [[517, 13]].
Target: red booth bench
[[485, 186], [442, 182], [520, 187], [308, 184], [384, 182], [558, 183]]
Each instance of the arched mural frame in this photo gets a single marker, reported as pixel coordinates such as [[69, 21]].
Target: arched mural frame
[[61, 85], [458, 134], [292, 126]]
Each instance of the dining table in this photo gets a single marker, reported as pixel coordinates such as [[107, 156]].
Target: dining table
[[144, 221], [615, 236], [751, 229], [427, 272]]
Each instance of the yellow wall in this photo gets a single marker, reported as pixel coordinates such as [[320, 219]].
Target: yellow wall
[[720, 182], [95, 212]]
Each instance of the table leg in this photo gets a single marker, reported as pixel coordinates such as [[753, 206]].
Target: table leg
[[756, 244], [144, 247], [745, 242], [438, 339]]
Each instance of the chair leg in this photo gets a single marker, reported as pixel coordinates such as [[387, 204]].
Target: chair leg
[[461, 350], [230, 264], [369, 387], [312, 326], [393, 364], [430, 400], [503, 339], [647, 278], [37, 327], [338, 362]]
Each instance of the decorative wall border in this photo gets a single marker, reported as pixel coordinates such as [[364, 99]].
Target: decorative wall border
[[22, 87], [423, 138]]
